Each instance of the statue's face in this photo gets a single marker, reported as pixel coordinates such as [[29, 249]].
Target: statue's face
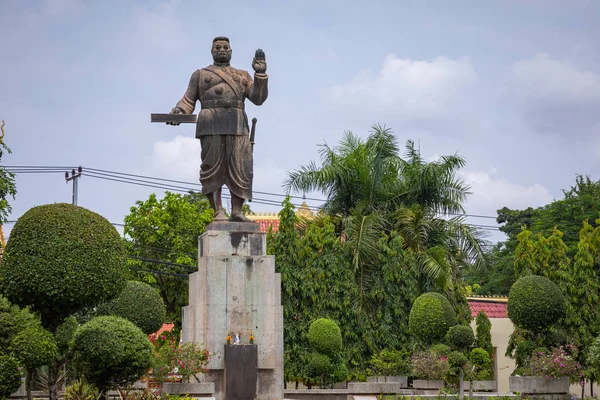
[[221, 51]]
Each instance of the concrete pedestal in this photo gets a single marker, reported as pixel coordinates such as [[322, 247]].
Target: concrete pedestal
[[235, 290]]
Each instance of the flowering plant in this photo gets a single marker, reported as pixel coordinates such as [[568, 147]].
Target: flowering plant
[[429, 365], [555, 364], [251, 338], [184, 361]]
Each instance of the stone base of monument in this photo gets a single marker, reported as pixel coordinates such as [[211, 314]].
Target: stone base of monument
[[241, 372], [236, 291]]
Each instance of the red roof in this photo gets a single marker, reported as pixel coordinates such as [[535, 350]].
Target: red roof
[[493, 309], [265, 223]]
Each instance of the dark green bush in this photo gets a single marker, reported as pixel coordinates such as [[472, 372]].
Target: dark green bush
[[64, 333], [325, 336], [391, 362], [139, 303], [535, 303], [319, 364], [60, 258], [10, 377], [480, 358], [457, 359], [110, 351], [483, 327], [34, 346], [430, 317], [460, 337], [441, 349]]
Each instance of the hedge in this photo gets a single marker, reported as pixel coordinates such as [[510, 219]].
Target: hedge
[[325, 336]]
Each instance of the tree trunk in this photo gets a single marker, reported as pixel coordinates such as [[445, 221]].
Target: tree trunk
[[461, 392], [591, 387], [29, 383], [53, 372], [583, 389]]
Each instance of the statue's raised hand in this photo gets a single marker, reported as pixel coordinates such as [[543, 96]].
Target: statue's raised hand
[[259, 63]]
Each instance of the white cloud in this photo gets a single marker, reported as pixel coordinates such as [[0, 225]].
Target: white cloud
[[178, 158], [555, 95], [490, 193], [410, 89]]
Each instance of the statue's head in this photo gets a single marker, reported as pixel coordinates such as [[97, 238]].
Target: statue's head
[[221, 50]]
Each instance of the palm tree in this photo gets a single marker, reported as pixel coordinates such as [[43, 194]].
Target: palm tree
[[374, 190]]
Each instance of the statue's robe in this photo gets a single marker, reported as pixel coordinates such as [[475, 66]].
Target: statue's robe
[[222, 125]]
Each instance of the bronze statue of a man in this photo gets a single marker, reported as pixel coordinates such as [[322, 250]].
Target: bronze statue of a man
[[222, 125]]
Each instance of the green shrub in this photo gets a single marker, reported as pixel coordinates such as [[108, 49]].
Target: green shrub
[[64, 333], [80, 390], [460, 337], [60, 258], [483, 328], [535, 303], [441, 349], [480, 358], [139, 303], [319, 364], [325, 336], [110, 351], [34, 346], [457, 359], [10, 377], [391, 362], [430, 317], [429, 365]]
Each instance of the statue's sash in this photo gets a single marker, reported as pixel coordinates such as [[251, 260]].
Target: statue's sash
[[227, 79]]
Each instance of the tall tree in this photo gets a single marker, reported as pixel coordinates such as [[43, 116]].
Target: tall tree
[[7, 186], [162, 243]]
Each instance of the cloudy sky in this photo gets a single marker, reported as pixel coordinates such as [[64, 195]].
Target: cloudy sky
[[513, 86]]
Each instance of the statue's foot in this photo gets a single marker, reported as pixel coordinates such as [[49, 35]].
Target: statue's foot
[[221, 216], [239, 217]]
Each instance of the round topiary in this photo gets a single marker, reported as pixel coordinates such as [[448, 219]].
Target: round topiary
[[460, 337], [111, 351], [325, 336], [480, 358], [441, 349], [319, 364], [430, 317], [34, 346], [140, 303], [60, 258], [535, 303], [457, 359], [10, 376]]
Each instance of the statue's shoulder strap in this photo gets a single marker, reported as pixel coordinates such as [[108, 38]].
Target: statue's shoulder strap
[[226, 77]]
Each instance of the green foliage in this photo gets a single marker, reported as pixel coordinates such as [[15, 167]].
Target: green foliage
[[139, 303], [441, 349], [167, 230], [34, 346], [61, 258], [110, 351], [483, 327], [10, 376], [325, 336], [460, 337], [80, 390], [429, 365], [12, 321], [318, 364], [391, 362], [64, 333], [480, 358], [457, 360], [535, 303], [189, 358], [7, 187], [430, 317]]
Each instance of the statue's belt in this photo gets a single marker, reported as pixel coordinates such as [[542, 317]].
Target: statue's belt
[[222, 104]]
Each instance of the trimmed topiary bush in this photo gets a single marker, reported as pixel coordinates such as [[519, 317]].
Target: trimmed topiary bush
[[34, 346], [480, 358], [457, 359], [111, 351], [441, 349], [139, 303], [64, 333], [60, 258], [430, 317], [10, 377], [325, 336], [460, 337], [535, 303], [483, 328]]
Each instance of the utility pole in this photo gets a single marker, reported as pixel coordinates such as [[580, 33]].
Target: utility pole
[[73, 178]]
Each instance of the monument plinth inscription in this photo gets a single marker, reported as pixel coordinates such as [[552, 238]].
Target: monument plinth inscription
[[235, 288]]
